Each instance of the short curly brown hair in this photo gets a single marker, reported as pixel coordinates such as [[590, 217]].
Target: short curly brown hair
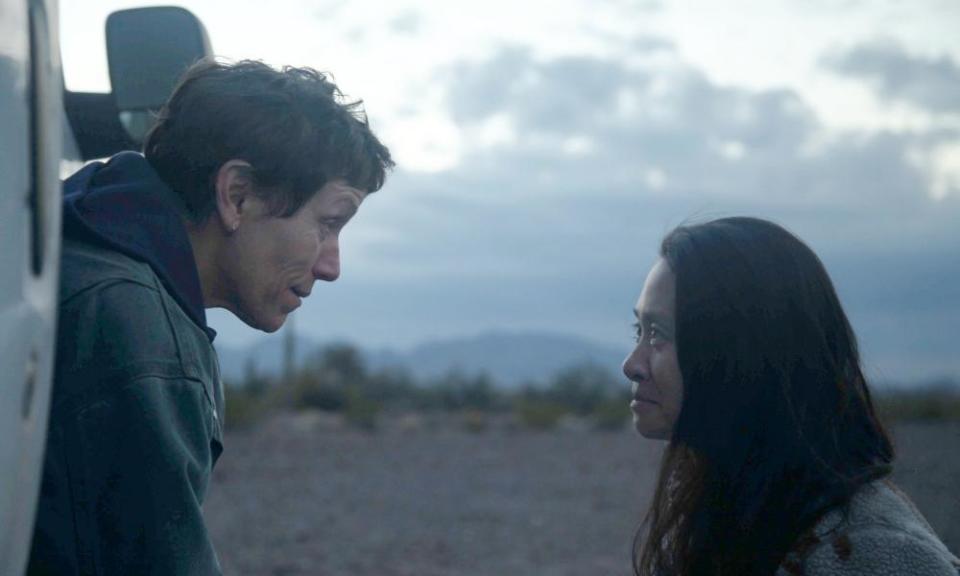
[[292, 125]]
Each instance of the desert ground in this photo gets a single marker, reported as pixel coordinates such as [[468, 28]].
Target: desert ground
[[302, 494]]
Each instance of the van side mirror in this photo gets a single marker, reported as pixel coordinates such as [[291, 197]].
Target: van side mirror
[[147, 51]]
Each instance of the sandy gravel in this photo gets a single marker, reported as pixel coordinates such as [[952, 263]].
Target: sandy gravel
[[303, 495]]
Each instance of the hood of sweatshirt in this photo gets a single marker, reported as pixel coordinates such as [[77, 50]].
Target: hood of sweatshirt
[[122, 203]]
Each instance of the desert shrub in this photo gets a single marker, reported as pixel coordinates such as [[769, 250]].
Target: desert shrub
[[583, 388], [340, 365], [395, 387], [244, 408], [311, 392], [248, 401], [324, 382], [360, 410], [254, 383], [475, 421], [611, 415], [456, 391], [931, 403], [539, 414]]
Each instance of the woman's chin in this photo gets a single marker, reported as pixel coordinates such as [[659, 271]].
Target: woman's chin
[[265, 323], [649, 430]]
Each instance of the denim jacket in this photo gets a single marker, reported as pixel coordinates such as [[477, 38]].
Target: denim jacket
[[136, 409], [135, 427]]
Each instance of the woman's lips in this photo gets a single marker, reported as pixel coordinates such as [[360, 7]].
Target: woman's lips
[[299, 293], [639, 401], [297, 300]]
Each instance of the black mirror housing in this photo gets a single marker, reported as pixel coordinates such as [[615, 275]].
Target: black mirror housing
[[147, 50]]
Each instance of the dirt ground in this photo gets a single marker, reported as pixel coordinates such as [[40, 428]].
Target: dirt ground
[[303, 495]]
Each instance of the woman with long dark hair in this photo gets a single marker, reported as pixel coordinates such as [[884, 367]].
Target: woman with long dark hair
[[776, 462]]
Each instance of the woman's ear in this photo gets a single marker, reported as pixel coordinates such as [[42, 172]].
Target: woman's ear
[[233, 188]]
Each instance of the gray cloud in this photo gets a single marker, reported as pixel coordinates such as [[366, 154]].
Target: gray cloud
[[329, 10], [406, 23], [557, 96], [642, 5], [652, 44], [931, 83], [709, 141]]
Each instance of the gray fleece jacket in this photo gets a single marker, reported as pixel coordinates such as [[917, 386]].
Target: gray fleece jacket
[[882, 534]]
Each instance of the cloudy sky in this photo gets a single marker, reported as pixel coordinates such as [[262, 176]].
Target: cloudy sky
[[544, 147]]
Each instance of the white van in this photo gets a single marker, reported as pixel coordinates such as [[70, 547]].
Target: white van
[[47, 133]]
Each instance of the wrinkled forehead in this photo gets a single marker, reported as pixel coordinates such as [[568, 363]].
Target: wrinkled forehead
[[338, 194]]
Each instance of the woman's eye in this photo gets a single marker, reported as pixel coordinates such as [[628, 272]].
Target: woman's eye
[[652, 336], [329, 226], [335, 224], [655, 336]]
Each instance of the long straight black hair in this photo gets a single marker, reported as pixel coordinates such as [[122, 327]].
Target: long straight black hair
[[777, 424]]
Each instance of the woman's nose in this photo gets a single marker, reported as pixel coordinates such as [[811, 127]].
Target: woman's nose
[[327, 266], [635, 364]]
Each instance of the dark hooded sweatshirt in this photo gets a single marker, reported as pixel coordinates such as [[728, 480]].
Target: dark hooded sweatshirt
[[137, 404]]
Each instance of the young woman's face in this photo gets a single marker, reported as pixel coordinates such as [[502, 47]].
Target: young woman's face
[[653, 366]]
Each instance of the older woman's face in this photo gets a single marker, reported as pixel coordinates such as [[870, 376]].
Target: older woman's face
[[653, 366], [274, 261]]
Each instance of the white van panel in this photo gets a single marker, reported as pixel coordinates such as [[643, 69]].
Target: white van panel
[[30, 152]]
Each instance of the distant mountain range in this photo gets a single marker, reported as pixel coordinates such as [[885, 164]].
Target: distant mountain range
[[511, 359]]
